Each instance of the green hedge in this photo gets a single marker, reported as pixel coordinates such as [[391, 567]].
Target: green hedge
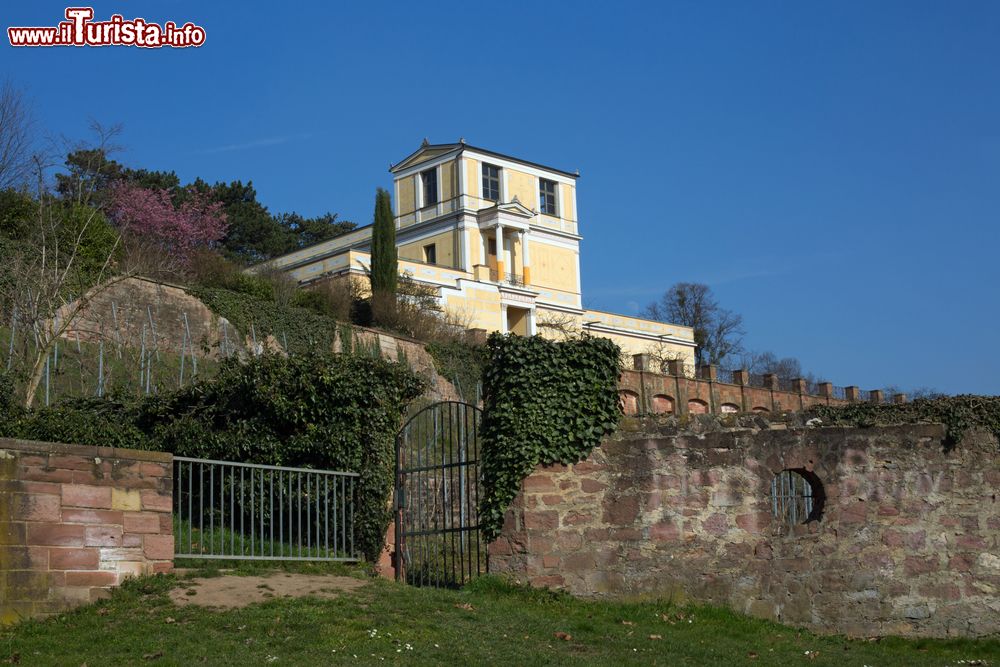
[[957, 413], [544, 402], [319, 411]]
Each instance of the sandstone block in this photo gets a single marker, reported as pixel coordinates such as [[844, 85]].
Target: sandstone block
[[55, 534], [68, 558], [79, 495], [127, 500]]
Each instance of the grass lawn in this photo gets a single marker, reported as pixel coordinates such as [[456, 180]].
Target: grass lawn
[[488, 622]]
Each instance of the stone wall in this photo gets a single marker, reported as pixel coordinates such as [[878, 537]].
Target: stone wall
[[137, 309], [75, 521], [907, 540], [122, 315]]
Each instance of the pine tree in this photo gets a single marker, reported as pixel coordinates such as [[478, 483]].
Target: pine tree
[[384, 265]]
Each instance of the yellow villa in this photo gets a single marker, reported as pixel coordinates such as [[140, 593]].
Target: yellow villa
[[498, 238]]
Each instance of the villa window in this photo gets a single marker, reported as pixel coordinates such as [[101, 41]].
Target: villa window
[[430, 181], [491, 182], [547, 196], [430, 253]]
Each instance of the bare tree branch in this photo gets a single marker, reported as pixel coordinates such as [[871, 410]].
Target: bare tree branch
[[718, 333], [16, 138]]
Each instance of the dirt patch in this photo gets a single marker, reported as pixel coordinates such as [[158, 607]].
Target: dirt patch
[[230, 592]]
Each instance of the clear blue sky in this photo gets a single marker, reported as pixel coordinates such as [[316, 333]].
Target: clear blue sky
[[832, 170]]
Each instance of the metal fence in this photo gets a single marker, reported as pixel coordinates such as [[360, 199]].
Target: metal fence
[[840, 393], [792, 498], [246, 511], [509, 278]]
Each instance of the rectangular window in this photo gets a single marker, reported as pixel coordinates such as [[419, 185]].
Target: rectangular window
[[430, 181], [491, 182], [430, 254], [547, 196], [492, 247]]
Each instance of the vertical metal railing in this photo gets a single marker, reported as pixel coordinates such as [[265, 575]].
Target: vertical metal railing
[[792, 500], [246, 511]]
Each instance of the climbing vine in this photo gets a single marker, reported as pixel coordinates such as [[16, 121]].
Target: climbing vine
[[957, 413], [544, 402], [257, 316]]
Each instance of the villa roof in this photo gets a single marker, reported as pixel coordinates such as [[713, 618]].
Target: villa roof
[[428, 151]]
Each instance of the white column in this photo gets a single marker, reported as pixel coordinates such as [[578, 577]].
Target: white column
[[503, 319], [466, 230], [461, 182], [501, 268], [525, 258]]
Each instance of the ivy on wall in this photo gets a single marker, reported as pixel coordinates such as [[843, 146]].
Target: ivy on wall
[[257, 316], [957, 413], [544, 402], [461, 363], [338, 412]]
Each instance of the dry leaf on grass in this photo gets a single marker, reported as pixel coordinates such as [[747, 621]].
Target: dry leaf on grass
[[565, 636]]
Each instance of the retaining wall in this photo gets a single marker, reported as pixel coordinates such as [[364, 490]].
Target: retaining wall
[[907, 541], [75, 521]]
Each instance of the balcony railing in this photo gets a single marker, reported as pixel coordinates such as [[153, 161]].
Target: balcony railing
[[508, 278]]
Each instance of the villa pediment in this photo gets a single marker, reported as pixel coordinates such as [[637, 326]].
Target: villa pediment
[[425, 153]]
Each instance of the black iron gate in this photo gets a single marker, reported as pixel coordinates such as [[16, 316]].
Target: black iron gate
[[438, 542]]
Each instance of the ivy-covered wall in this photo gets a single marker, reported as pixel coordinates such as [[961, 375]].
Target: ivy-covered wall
[[544, 402]]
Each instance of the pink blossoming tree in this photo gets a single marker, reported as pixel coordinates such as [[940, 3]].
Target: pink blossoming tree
[[150, 215]]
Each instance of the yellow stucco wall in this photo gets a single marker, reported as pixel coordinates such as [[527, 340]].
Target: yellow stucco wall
[[473, 177], [630, 346], [405, 201], [555, 267], [479, 307], [446, 244], [524, 187], [567, 212], [448, 185]]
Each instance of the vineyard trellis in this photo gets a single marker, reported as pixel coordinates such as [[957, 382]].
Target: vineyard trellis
[[134, 351]]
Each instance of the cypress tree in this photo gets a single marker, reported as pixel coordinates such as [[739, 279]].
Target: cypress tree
[[384, 266]]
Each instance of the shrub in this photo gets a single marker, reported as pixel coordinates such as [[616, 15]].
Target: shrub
[[313, 411]]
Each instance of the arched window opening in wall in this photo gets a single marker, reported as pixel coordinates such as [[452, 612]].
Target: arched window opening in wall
[[796, 497], [629, 401], [761, 408], [728, 408], [663, 404], [697, 407]]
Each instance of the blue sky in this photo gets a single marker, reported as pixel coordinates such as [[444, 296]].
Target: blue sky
[[832, 170]]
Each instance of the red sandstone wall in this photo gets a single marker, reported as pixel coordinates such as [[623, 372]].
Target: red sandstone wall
[[646, 386], [908, 542], [75, 521]]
